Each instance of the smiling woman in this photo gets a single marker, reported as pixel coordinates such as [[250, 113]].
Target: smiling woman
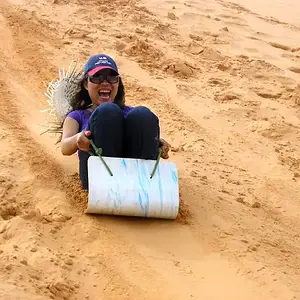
[[99, 113]]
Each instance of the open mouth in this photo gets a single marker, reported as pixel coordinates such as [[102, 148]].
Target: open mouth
[[104, 94]]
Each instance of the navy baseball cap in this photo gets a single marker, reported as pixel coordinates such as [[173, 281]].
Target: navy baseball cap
[[99, 62]]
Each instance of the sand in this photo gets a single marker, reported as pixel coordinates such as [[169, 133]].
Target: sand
[[223, 78]]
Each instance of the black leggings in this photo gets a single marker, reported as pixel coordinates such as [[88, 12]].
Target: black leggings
[[134, 136]]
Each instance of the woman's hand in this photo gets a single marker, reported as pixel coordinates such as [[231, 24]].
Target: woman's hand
[[165, 147], [83, 143]]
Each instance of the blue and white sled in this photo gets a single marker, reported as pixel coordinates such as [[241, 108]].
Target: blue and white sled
[[133, 187]]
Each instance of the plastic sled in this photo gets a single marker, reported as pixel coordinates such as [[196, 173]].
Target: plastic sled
[[132, 187]]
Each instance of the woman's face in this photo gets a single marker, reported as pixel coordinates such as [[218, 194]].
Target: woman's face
[[103, 86]]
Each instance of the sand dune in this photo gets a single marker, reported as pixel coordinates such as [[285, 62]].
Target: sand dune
[[224, 80]]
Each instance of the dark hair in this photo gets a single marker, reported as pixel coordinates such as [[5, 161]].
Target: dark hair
[[83, 101]]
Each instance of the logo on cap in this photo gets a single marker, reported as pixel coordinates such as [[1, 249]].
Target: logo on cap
[[103, 60]]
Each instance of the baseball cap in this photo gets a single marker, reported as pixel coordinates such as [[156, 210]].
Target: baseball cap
[[99, 62]]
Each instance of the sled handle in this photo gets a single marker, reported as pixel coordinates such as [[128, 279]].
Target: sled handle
[[98, 151], [156, 163]]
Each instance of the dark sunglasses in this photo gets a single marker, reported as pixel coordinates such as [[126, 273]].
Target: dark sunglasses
[[99, 78]]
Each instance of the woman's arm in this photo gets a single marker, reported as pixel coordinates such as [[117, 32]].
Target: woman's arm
[[69, 136]]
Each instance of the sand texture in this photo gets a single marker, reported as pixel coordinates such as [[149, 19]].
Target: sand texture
[[224, 80]]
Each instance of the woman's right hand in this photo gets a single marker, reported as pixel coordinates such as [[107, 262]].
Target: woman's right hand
[[83, 143]]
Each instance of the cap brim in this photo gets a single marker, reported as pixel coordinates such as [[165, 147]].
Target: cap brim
[[95, 70]]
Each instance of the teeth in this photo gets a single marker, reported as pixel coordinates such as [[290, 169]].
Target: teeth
[[104, 91]]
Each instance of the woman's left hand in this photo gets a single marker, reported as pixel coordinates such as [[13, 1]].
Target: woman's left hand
[[165, 147]]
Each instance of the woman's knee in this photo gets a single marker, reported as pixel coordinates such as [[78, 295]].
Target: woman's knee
[[106, 114], [107, 126], [107, 109], [142, 133], [141, 114]]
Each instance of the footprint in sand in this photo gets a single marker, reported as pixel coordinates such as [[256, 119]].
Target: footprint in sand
[[283, 47], [3, 226], [171, 2], [187, 89], [276, 131], [267, 94], [231, 20], [208, 10], [252, 50], [61, 290], [172, 16], [165, 32], [214, 81], [5, 186], [280, 46], [211, 54], [226, 97], [294, 69], [230, 17], [142, 9], [189, 16], [191, 2], [235, 6], [180, 69], [9, 212], [145, 52], [296, 96]]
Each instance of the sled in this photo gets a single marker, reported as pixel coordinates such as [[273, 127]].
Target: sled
[[132, 187]]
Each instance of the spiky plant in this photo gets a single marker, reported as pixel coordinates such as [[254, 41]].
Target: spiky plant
[[60, 94]]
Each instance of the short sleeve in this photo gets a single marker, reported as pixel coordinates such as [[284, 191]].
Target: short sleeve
[[75, 115]]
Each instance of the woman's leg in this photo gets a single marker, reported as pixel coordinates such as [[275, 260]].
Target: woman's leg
[[142, 134], [106, 124]]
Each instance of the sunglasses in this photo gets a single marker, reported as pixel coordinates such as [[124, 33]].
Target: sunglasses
[[100, 78]]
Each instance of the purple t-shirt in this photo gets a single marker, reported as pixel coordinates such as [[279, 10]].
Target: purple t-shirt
[[82, 116]]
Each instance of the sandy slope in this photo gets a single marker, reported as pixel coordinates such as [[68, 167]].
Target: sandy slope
[[223, 80]]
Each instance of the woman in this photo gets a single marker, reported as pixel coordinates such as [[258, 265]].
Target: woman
[[99, 113]]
